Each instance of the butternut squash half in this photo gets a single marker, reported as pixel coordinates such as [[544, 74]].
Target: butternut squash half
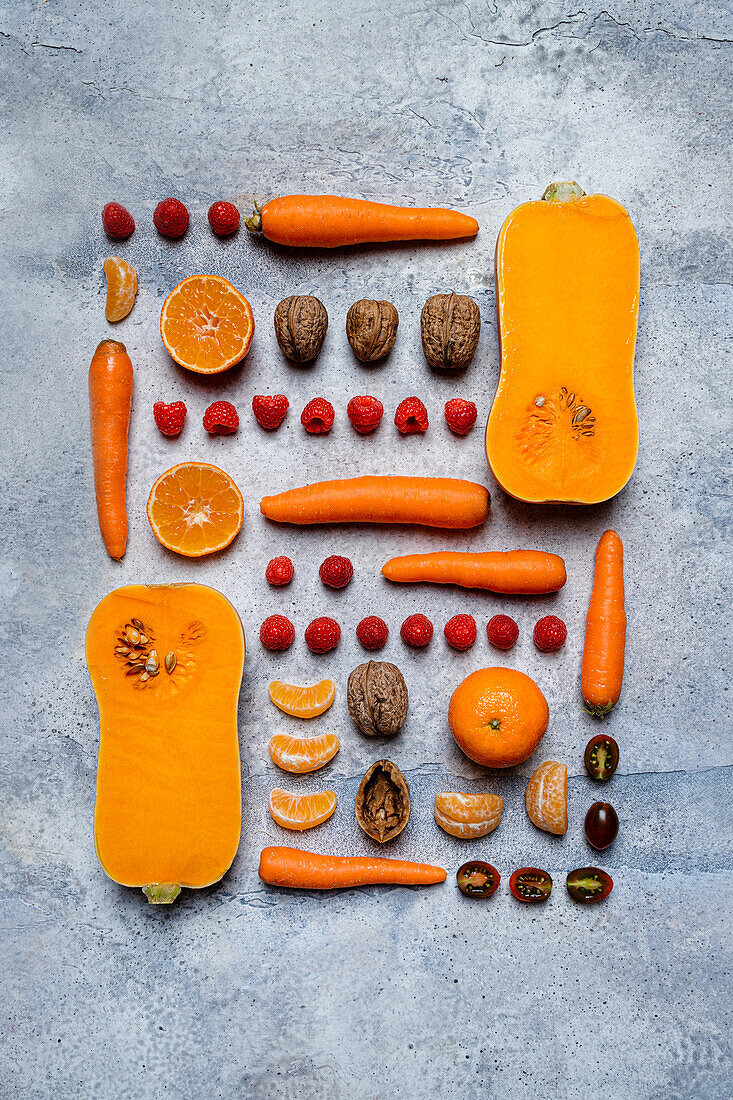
[[166, 666], [563, 425]]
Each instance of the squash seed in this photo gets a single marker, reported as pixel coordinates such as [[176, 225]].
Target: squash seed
[[151, 665], [132, 636], [143, 678], [170, 662], [580, 414], [122, 650], [138, 624], [539, 402]]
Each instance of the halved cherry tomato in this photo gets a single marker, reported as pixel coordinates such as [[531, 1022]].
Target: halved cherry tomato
[[477, 879], [531, 884], [589, 884], [601, 757], [601, 825]]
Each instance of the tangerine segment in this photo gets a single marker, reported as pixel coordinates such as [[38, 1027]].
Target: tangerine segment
[[302, 754], [546, 797], [206, 324], [468, 815], [301, 811], [498, 716], [195, 508], [303, 702], [121, 287]]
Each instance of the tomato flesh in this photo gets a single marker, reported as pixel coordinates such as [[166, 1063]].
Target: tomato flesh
[[601, 825], [531, 884], [589, 884], [601, 757], [477, 879]]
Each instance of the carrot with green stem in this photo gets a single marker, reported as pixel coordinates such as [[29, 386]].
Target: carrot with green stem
[[510, 572], [605, 629], [310, 871], [110, 397]]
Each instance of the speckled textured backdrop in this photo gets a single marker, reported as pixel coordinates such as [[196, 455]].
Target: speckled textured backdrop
[[240, 990]]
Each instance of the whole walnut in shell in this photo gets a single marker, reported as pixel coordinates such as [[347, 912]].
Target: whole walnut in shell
[[371, 328], [383, 801], [300, 326], [450, 325], [376, 695]]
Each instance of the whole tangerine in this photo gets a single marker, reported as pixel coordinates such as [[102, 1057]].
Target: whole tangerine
[[498, 716]]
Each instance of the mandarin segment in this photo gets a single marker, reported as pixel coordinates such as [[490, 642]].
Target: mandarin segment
[[195, 509], [301, 811], [468, 816], [121, 288], [302, 754], [302, 702], [206, 324], [546, 797]]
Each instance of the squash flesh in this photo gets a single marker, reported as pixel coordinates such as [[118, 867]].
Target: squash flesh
[[563, 425]]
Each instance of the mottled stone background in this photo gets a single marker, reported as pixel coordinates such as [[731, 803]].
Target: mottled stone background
[[240, 990]]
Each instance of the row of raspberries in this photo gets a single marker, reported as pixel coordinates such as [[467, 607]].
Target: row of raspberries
[[324, 634], [171, 219]]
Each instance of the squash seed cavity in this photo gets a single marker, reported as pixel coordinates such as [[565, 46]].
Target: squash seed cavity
[[553, 422]]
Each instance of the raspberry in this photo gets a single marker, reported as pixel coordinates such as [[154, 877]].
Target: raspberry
[[279, 571], [372, 632], [317, 417], [322, 634], [411, 416], [364, 413], [117, 222], [277, 632], [336, 572], [170, 418], [502, 631], [550, 634], [460, 631], [417, 630], [224, 218], [221, 418], [171, 218], [270, 411], [460, 415]]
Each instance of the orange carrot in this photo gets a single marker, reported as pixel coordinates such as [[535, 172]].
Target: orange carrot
[[311, 871], [605, 629], [431, 501], [327, 221], [512, 572], [110, 396]]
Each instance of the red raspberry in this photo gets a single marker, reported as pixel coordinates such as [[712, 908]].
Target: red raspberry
[[279, 571], [170, 418], [550, 634], [277, 632], [221, 418], [322, 634], [364, 413], [336, 572], [224, 218], [372, 632], [171, 218], [460, 415], [411, 416], [460, 631], [417, 631], [502, 631], [317, 417], [270, 411], [117, 222]]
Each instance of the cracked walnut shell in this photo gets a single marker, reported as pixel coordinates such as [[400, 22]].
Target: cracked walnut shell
[[371, 328], [376, 695], [383, 802], [450, 325], [300, 326]]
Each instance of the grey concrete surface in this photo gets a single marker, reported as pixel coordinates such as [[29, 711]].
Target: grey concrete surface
[[240, 990]]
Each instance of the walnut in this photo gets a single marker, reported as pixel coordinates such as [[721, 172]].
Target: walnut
[[450, 325], [371, 328], [300, 326], [383, 801], [377, 698]]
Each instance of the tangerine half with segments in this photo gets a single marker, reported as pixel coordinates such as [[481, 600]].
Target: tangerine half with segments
[[206, 324], [195, 509]]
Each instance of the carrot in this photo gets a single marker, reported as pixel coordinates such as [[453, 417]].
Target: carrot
[[110, 396], [311, 871], [512, 572], [605, 629], [431, 501], [327, 221]]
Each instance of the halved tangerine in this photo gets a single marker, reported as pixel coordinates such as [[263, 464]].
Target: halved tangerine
[[301, 811], [206, 324], [121, 287], [302, 754], [546, 797], [468, 815], [195, 508], [303, 702]]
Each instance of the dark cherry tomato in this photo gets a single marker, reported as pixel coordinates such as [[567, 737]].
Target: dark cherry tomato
[[531, 884], [589, 884], [601, 825], [477, 879], [601, 757]]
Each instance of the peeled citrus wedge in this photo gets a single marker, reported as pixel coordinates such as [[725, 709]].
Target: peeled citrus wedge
[[546, 797], [301, 811], [303, 702], [206, 324], [121, 287], [468, 815], [195, 509], [302, 754]]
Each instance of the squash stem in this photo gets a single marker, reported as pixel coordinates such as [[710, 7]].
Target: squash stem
[[563, 191], [254, 223], [161, 893]]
